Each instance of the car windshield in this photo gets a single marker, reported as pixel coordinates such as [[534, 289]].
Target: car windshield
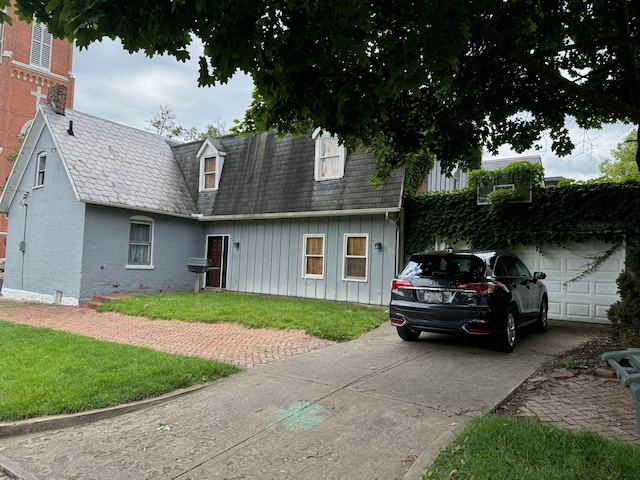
[[438, 265]]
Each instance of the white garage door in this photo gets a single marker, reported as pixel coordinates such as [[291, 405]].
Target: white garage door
[[586, 299]]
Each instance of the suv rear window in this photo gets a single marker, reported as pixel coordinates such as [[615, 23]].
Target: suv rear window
[[441, 265]]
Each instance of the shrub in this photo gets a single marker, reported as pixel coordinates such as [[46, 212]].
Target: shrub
[[624, 314]]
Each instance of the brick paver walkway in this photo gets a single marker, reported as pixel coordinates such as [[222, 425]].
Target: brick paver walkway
[[585, 402], [226, 342]]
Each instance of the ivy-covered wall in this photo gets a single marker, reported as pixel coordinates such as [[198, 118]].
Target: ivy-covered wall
[[557, 215]]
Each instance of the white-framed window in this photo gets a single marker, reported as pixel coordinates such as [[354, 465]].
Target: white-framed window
[[41, 164], [330, 156], [313, 261], [356, 256], [140, 243], [209, 173], [211, 163], [41, 43]]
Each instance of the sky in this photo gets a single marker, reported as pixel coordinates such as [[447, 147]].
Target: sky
[[129, 89]]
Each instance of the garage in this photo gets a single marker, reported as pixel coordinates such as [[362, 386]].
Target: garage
[[586, 299]]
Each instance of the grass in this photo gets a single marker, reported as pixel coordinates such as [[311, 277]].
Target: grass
[[328, 320], [501, 448], [46, 372]]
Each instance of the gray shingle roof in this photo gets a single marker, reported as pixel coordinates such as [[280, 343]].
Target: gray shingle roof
[[266, 174], [118, 165], [114, 164], [497, 163]]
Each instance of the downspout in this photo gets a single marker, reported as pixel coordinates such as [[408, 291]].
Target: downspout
[[23, 243]]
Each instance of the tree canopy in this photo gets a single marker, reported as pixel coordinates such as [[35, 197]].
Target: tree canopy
[[410, 78], [623, 166]]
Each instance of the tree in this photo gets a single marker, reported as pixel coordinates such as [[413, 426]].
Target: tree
[[215, 129], [623, 166], [420, 78], [164, 123]]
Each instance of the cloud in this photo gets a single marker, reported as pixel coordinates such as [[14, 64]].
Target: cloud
[[592, 147], [129, 88]]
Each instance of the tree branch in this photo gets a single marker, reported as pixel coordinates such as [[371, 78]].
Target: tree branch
[[553, 77]]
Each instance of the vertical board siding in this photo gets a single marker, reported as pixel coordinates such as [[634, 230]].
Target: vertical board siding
[[270, 257]]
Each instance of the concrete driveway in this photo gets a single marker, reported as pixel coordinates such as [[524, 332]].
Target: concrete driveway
[[372, 408]]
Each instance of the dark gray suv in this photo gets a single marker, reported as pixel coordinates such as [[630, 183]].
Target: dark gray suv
[[471, 292]]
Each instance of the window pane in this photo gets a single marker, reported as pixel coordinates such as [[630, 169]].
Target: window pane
[[139, 253], [210, 165], [210, 181], [314, 246], [331, 167], [314, 266], [329, 147], [140, 232], [356, 267], [357, 246]]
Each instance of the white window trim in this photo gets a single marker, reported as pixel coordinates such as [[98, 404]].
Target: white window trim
[[344, 258], [38, 183], [204, 174], [318, 135], [147, 221], [208, 150], [304, 255]]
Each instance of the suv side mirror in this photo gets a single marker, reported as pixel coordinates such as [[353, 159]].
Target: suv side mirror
[[539, 276]]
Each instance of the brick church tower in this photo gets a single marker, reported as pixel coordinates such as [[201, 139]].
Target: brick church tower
[[31, 61]]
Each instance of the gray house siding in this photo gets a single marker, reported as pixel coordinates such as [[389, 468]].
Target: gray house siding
[[50, 223], [437, 181], [269, 257], [104, 263]]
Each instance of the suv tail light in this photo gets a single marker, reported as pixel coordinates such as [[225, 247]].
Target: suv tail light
[[483, 288], [397, 283]]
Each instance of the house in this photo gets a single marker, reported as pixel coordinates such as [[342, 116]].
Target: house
[[95, 207]]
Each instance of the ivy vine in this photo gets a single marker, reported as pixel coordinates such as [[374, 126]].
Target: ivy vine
[[519, 172], [558, 215]]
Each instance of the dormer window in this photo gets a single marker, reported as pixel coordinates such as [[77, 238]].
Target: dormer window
[[209, 173], [330, 156], [211, 162]]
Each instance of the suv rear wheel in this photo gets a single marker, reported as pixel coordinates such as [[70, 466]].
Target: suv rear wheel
[[408, 334], [504, 340]]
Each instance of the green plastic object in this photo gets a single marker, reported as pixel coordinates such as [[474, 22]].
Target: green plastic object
[[626, 364]]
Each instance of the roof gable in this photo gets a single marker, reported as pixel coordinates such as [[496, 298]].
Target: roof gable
[[116, 165]]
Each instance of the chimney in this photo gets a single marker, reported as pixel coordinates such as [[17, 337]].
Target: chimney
[[57, 98]]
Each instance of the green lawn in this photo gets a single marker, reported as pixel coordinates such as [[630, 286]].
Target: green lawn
[[503, 448], [45, 372], [329, 320]]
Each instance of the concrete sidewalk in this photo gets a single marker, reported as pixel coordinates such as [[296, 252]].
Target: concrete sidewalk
[[372, 408]]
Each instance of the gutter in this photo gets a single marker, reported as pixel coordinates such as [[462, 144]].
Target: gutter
[[323, 213], [253, 216]]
